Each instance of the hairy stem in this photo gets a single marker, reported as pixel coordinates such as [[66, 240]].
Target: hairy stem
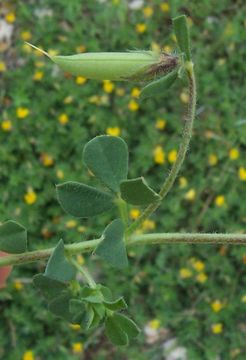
[[144, 239], [85, 272], [184, 145]]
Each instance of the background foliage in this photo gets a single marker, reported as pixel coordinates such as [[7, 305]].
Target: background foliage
[[195, 294]]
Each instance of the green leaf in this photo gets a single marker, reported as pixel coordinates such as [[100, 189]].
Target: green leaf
[[107, 157], [181, 30], [81, 200], [107, 293], [58, 267], [13, 237], [112, 247], [137, 192], [127, 325], [77, 308], [116, 305], [114, 332], [158, 87], [87, 318], [60, 306], [99, 309], [49, 288], [91, 295]]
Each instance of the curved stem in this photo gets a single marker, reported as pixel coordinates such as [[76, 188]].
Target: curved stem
[[144, 239], [85, 272], [187, 133]]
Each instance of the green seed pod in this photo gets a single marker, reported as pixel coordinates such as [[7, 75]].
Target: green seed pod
[[128, 66]]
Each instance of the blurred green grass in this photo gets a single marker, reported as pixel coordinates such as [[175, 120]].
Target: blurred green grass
[[38, 151]]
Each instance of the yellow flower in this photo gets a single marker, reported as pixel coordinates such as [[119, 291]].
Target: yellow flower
[[198, 265], [60, 174], [165, 7], [172, 156], [46, 160], [26, 35], [75, 327], [154, 324], [243, 298], [38, 75], [184, 97], [80, 259], [201, 278], [221, 61], [28, 355], [63, 119], [140, 28], [113, 131], [217, 328], [6, 125], [80, 80], [120, 91], [148, 225], [234, 154], [81, 229], [185, 273], [242, 173], [80, 49], [190, 195], [135, 92], [155, 47], [77, 348], [30, 197], [10, 17], [108, 86], [53, 52], [167, 49], [148, 11], [182, 182], [133, 105], [18, 285], [26, 48], [71, 224], [39, 64], [160, 124], [212, 160], [22, 112], [216, 305], [219, 200], [134, 214], [159, 155], [68, 99], [3, 67]]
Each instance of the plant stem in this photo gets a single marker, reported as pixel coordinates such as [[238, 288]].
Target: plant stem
[[144, 239], [184, 145], [85, 272]]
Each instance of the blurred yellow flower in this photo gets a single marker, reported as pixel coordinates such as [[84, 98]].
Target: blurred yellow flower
[[242, 173], [77, 348], [134, 214], [140, 28], [243, 298], [63, 119], [59, 174], [39, 64], [133, 105], [184, 97], [154, 324], [198, 265], [165, 7], [216, 305], [30, 197], [202, 277], [120, 91], [26, 35], [80, 259], [28, 355], [160, 124], [234, 154], [212, 160], [10, 17], [81, 229], [172, 156], [3, 67], [221, 61], [185, 273], [70, 224], [167, 49], [46, 159], [113, 131], [68, 99], [38, 75], [148, 11], [18, 285], [6, 125], [159, 155], [80, 80], [155, 47], [148, 225], [53, 52], [183, 182], [190, 195], [135, 92], [80, 49], [217, 328], [75, 327], [220, 200], [22, 112], [108, 86]]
